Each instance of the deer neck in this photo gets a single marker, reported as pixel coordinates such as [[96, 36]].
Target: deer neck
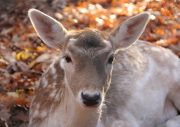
[[76, 116]]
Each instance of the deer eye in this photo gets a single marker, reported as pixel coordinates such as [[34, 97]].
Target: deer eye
[[68, 59], [110, 60]]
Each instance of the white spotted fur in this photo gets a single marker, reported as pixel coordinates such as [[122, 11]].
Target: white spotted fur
[[144, 87]]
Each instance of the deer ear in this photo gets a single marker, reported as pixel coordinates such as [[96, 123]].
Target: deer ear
[[48, 29], [129, 31]]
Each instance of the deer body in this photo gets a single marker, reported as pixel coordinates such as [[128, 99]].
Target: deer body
[[138, 75], [82, 88]]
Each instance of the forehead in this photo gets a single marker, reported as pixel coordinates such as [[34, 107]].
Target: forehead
[[89, 40]]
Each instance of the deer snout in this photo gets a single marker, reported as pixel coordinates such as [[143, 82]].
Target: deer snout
[[91, 99]]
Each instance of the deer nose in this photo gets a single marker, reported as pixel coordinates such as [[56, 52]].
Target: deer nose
[[91, 100]]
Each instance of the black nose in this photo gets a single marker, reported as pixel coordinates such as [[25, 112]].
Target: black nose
[[91, 100]]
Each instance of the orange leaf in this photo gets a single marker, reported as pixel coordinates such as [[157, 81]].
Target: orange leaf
[[41, 48], [160, 31]]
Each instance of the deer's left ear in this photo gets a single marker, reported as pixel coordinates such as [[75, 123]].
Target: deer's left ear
[[129, 31], [49, 30]]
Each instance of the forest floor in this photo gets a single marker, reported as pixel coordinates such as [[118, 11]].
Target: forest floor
[[24, 57]]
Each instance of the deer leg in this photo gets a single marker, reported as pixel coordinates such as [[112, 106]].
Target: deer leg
[[175, 97], [173, 122]]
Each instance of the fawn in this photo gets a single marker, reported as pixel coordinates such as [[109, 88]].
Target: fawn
[[105, 79]]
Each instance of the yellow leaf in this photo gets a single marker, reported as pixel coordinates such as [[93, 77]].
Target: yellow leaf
[[31, 64], [25, 55], [19, 55]]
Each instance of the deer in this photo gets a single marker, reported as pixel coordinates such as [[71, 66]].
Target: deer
[[103, 79]]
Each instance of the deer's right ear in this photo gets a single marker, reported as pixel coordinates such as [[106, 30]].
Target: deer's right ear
[[49, 30], [129, 31]]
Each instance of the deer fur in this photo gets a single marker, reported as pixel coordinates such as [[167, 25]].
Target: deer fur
[[137, 83]]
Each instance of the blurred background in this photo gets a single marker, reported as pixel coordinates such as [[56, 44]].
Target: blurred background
[[24, 57]]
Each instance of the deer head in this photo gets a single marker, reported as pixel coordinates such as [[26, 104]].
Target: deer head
[[87, 55]]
